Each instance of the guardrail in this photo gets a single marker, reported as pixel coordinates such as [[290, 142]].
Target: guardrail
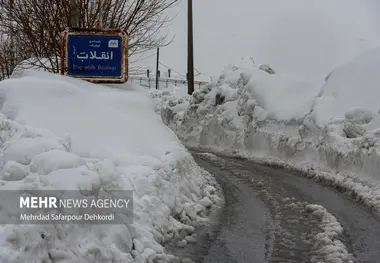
[[163, 82]]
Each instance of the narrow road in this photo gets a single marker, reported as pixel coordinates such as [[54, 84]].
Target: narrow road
[[268, 217]]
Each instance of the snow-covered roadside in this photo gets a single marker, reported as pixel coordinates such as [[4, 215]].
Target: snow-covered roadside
[[329, 134], [61, 133], [326, 243]]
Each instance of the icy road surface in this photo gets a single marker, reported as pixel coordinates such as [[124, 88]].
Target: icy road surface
[[276, 216]]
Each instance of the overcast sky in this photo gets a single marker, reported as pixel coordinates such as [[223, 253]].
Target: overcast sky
[[296, 35]]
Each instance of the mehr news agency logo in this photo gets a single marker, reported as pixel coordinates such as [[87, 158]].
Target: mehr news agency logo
[[52, 203]]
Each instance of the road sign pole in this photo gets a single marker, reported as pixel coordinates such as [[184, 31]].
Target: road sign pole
[[73, 13], [158, 59], [100, 14], [190, 48]]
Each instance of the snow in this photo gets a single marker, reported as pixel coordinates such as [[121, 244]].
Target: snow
[[41, 64], [327, 128], [284, 97], [353, 85], [46, 162], [325, 236], [63, 134], [326, 243], [91, 108]]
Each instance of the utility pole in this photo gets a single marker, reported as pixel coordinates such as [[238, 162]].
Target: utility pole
[[190, 48], [157, 71], [73, 13]]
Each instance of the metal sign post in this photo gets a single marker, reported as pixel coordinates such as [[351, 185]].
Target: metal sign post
[[97, 55], [100, 14], [73, 13]]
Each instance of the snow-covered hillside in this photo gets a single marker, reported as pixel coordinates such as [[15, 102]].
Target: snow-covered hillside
[[61, 133], [330, 132]]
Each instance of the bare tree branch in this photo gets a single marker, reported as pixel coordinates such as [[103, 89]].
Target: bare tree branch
[[36, 26]]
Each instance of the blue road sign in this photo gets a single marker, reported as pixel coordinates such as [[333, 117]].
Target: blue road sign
[[94, 56]]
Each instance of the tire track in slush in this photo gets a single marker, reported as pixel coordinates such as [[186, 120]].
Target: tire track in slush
[[302, 224]]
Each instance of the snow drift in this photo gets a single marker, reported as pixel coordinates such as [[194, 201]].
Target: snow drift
[[330, 133], [60, 133]]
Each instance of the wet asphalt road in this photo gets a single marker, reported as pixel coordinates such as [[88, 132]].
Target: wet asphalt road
[[257, 224]]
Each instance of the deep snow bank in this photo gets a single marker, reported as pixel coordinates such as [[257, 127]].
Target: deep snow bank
[[331, 134], [352, 86], [96, 138]]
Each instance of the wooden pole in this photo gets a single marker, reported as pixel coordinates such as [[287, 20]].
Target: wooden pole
[[157, 71], [190, 48]]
